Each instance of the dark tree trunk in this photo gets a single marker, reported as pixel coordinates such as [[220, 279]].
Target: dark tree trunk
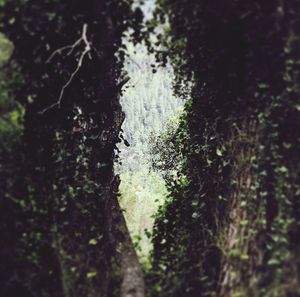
[[72, 125]]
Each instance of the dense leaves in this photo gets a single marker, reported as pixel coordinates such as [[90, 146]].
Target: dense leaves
[[229, 226], [66, 53]]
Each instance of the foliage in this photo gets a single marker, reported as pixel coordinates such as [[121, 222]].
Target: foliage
[[230, 224], [141, 193], [165, 149], [11, 128], [229, 227], [148, 102], [71, 81]]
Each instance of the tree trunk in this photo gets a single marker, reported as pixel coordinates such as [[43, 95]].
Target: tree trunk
[[132, 276]]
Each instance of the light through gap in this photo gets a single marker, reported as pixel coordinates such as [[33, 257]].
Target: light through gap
[[149, 105]]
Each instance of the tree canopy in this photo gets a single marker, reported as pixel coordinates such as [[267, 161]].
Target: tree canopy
[[229, 225]]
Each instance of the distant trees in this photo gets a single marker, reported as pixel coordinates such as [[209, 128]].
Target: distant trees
[[148, 102]]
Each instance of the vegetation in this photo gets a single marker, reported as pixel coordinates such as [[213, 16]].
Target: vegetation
[[67, 234], [226, 216], [231, 225], [142, 189]]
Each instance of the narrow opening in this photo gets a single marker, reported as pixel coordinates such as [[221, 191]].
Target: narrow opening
[[149, 105]]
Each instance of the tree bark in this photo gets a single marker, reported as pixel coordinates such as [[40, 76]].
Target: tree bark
[[132, 276]]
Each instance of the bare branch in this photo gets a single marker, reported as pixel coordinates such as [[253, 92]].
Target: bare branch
[[71, 46], [86, 51], [60, 51], [123, 82]]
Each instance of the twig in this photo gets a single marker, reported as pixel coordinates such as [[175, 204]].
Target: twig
[[71, 46], [86, 51], [123, 82], [136, 63]]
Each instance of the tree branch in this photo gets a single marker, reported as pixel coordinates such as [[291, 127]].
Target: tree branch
[[86, 51]]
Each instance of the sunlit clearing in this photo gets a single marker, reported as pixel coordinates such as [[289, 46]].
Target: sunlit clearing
[[148, 103]]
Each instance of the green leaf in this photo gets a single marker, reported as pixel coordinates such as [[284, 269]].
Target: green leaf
[[297, 107], [91, 274], [219, 152], [243, 204], [12, 21], [263, 86], [282, 169], [287, 145], [195, 215], [244, 257], [93, 241], [273, 262], [195, 202]]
